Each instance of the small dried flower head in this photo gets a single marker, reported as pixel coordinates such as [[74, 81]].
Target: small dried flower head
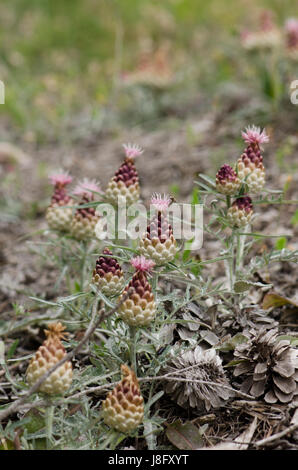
[[253, 135], [60, 178], [87, 187], [47, 355], [227, 181], [132, 150], [140, 263], [243, 203], [123, 409], [56, 331], [124, 185], [240, 213], [158, 242], [108, 275], [59, 213], [161, 203], [85, 219], [139, 308]]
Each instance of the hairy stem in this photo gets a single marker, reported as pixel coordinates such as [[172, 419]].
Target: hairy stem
[[49, 417], [231, 263], [240, 248]]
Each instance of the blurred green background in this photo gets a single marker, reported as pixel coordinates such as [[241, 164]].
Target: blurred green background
[[68, 65]]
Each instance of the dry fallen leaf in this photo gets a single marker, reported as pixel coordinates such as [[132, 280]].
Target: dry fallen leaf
[[184, 436], [275, 300]]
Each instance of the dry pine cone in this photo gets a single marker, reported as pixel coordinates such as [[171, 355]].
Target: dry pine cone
[[269, 365], [193, 365]]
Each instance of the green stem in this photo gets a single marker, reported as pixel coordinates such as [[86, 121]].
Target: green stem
[[49, 418], [133, 354]]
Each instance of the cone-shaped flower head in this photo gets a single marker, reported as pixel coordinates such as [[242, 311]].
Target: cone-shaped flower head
[[227, 181], [59, 217], [250, 166], [269, 366], [266, 36], [108, 275], [124, 186], [123, 409], [47, 355], [85, 218], [291, 29], [193, 365], [158, 242], [239, 214], [139, 308]]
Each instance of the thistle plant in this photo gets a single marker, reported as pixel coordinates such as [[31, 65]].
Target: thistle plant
[[123, 408], [227, 181], [158, 243], [124, 186], [108, 274], [266, 36], [85, 218], [239, 185], [47, 355], [250, 168], [240, 212], [139, 308], [291, 32], [59, 217], [115, 321], [272, 53]]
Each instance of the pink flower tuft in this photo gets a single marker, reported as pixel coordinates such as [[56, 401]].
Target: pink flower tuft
[[87, 187], [291, 25], [161, 203], [132, 150], [253, 135], [60, 179], [140, 263]]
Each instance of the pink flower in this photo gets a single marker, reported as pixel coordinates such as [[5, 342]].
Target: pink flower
[[60, 179], [253, 135], [161, 203], [140, 263], [132, 150], [87, 187], [291, 25]]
